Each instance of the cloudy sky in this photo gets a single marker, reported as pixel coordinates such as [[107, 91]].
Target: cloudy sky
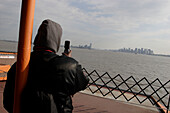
[[107, 24]]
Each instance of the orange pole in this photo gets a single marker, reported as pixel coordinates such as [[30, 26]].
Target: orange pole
[[24, 50]]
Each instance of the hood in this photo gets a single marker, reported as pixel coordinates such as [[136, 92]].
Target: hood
[[48, 36]]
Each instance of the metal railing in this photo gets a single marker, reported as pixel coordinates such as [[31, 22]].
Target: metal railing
[[155, 92]]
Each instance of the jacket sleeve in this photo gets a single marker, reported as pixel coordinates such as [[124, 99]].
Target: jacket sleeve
[[8, 94], [82, 80]]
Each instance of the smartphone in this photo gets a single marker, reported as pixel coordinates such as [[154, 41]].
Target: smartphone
[[67, 47]]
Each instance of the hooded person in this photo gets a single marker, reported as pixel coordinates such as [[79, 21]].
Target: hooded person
[[52, 79]]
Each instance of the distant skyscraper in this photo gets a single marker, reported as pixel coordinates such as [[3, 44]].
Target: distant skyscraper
[[90, 46]]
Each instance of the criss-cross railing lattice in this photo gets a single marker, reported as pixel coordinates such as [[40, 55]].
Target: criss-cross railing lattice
[[155, 92]]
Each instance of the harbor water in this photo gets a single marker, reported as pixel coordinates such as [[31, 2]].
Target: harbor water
[[125, 64]]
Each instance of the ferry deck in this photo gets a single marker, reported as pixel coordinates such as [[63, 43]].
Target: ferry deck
[[87, 103]]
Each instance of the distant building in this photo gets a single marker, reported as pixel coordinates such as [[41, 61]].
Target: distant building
[[84, 46], [90, 46], [137, 51]]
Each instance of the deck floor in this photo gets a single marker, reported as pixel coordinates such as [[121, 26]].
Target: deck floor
[[85, 103], [2, 110]]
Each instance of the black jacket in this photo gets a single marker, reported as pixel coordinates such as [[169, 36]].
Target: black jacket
[[52, 78]]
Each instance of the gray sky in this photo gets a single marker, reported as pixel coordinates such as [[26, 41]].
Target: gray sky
[[107, 24]]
